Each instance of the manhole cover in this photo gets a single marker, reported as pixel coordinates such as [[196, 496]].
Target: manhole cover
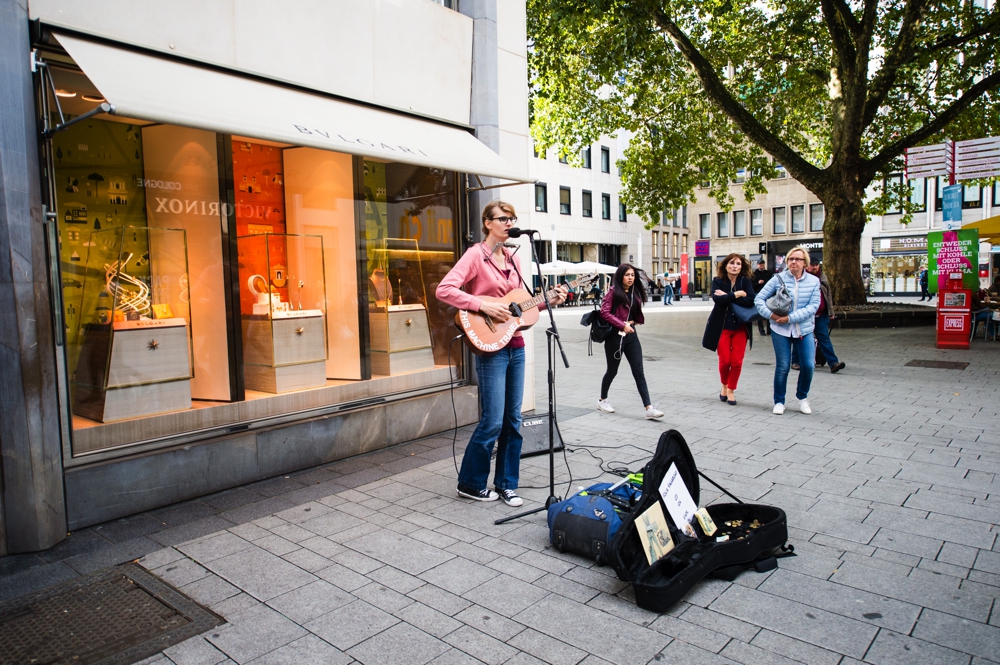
[[936, 364], [119, 615]]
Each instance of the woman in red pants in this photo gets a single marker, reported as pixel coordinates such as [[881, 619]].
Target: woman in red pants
[[724, 332]]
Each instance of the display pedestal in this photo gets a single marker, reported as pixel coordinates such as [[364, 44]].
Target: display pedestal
[[401, 340], [147, 372], [284, 353]]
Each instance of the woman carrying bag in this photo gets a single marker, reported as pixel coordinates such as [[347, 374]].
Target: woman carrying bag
[[622, 308], [726, 332]]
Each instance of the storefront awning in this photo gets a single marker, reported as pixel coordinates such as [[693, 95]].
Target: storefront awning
[[989, 229], [146, 87]]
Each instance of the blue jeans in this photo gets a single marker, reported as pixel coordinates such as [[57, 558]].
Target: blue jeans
[[668, 294], [805, 347], [501, 387], [822, 333]]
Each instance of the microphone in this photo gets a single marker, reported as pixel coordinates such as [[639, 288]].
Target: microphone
[[515, 232]]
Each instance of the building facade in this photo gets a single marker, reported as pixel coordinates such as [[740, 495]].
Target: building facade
[[222, 226]]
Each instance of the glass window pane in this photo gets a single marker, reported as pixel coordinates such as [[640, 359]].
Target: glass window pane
[[757, 222], [918, 194], [723, 224], [605, 206], [816, 216], [605, 160], [798, 219], [588, 204], [972, 196], [704, 226], [739, 223], [564, 206], [541, 197], [622, 213], [778, 220], [586, 158]]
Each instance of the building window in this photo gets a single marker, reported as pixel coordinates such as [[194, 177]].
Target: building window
[[541, 197], [739, 223], [778, 221], [757, 222], [656, 245], [722, 225], [798, 219], [918, 194], [972, 196], [996, 193], [585, 153], [741, 177], [816, 215], [704, 226], [587, 209], [564, 207], [605, 206], [684, 217], [676, 253], [656, 267], [781, 172], [563, 159], [893, 182], [622, 213], [605, 160], [666, 245], [535, 151], [684, 245]]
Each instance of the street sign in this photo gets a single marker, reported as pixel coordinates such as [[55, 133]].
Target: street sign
[[977, 158], [952, 198], [926, 161], [702, 248]]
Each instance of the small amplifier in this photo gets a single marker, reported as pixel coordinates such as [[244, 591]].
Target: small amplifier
[[535, 431]]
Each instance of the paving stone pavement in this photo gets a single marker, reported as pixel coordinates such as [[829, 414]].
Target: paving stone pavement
[[890, 488]]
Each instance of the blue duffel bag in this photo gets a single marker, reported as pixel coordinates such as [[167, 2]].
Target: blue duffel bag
[[585, 523]]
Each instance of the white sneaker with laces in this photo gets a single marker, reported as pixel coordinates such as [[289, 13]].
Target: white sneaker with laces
[[605, 406], [652, 413], [804, 406], [510, 497], [778, 409]]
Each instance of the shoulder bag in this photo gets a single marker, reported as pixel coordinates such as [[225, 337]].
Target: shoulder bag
[[781, 302], [600, 329], [746, 314]]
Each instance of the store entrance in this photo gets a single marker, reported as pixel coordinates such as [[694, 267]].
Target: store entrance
[[702, 276]]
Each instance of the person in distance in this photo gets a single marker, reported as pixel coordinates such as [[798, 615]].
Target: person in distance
[[725, 333], [762, 276], [490, 269], [622, 308], [793, 330], [823, 317]]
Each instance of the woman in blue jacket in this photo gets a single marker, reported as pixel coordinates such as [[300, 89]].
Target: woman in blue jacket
[[794, 330]]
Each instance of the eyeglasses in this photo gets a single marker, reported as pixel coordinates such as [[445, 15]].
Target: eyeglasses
[[795, 258], [504, 220]]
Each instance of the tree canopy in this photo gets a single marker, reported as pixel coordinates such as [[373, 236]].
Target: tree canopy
[[833, 91]]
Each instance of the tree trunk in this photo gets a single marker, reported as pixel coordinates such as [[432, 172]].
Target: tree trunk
[[842, 228]]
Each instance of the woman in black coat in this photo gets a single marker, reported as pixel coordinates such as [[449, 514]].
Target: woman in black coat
[[724, 332]]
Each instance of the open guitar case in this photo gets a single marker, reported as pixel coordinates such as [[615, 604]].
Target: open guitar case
[[660, 586]]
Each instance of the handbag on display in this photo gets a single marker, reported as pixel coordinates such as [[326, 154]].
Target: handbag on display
[[780, 303]]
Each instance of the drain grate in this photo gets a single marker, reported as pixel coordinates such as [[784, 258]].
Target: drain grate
[[937, 364], [119, 615]]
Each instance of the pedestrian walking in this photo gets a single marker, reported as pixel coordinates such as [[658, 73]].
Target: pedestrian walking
[[824, 347], [668, 292], [486, 272], [622, 308], [762, 276], [724, 333], [792, 330], [924, 293]]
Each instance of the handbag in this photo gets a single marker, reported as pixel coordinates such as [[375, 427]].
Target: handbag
[[746, 314], [600, 329], [780, 303]]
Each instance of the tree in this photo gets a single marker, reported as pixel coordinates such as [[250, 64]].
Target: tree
[[834, 91]]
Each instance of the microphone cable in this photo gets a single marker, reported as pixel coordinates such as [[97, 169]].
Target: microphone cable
[[451, 388]]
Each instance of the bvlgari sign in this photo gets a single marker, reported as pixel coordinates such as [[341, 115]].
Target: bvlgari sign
[[378, 145]]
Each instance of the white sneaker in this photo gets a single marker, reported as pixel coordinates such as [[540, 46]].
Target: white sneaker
[[804, 406], [605, 406], [652, 413], [778, 409]]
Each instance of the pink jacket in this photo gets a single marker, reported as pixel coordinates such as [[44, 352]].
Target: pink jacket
[[620, 315]]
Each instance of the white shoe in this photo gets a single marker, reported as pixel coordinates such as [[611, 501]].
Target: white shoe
[[605, 406], [652, 413], [804, 406], [778, 409]]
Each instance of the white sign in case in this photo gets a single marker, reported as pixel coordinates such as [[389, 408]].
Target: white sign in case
[[678, 501]]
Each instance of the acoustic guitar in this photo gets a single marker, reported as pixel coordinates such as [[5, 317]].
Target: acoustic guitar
[[484, 335]]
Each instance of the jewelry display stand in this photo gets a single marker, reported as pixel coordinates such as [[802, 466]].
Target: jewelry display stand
[[283, 309], [134, 354], [400, 329]]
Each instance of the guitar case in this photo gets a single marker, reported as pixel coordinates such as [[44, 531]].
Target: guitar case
[[660, 586]]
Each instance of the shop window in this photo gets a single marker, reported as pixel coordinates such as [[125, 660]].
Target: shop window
[[739, 223], [722, 224], [817, 213], [972, 196], [587, 204], [778, 221], [756, 222], [564, 201], [798, 219], [605, 206], [541, 197], [622, 212], [704, 226], [605, 160], [585, 155]]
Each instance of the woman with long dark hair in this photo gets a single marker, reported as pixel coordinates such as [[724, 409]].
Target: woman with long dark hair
[[622, 308], [724, 333]]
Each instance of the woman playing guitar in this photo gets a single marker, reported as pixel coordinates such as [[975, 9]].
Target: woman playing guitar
[[489, 269]]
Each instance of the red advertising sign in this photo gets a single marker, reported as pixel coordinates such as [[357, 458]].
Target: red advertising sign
[[684, 272], [702, 248]]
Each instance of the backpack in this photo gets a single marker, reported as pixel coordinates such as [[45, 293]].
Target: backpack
[[600, 329], [584, 524]]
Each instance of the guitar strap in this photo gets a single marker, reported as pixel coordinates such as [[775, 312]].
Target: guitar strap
[[510, 261]]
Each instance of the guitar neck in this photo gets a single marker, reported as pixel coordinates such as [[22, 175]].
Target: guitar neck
[[539, 299]]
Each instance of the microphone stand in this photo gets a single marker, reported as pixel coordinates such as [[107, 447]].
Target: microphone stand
[[552, 340]]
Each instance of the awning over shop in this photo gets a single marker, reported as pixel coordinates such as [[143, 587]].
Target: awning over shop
[[146, 87], [989, 229]]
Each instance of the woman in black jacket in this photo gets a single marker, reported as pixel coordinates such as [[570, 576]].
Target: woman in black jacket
[[724, 332]]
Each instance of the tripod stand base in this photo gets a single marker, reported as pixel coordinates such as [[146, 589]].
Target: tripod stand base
[[548, 502]]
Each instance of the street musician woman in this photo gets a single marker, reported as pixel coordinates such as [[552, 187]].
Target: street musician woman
[[489, 269]]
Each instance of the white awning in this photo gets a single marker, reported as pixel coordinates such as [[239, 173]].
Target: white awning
[[147, 87]]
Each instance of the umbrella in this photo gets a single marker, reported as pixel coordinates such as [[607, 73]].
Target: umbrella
[[586, 267], [558, 268]]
